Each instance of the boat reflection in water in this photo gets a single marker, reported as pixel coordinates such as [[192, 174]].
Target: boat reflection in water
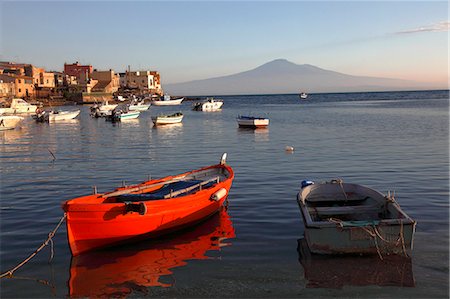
[[327, 271], [122, 270]]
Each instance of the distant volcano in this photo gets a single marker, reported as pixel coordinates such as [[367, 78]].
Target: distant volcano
[[282, 76]]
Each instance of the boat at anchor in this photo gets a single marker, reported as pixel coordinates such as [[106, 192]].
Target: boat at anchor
[[146, 210], [342, 218]]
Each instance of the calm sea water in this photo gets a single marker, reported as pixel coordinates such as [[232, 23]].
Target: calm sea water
[[389, 141]]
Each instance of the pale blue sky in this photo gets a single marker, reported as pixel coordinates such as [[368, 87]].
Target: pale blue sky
[[196, 40]]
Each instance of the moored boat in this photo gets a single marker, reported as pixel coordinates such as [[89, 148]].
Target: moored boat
[[103, 109], [166, 100], [121, 115], [147, 209], [136, 105], [9, 122], [167, 119], [55, 115], [252, 122], [209, 105], [19, 106], [345, 218]]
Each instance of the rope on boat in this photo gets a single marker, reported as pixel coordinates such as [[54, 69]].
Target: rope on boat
[[375, 235], [51, 234]]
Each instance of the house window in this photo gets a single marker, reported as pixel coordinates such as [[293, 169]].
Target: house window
[[20, 90], [143, 81], [20, 81]]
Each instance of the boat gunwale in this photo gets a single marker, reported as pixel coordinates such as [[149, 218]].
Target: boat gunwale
[[74, 204]]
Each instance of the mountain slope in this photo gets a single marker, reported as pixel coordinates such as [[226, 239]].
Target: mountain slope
[[282, 76]]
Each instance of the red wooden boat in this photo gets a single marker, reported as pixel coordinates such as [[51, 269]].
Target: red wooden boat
[[146, 210]]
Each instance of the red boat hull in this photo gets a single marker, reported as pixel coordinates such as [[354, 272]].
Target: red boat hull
[[94, 223]]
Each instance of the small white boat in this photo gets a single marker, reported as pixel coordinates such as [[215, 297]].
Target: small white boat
[[9, 122], [167, 119], [19, 106], [342, 218], [102, 109], [303, 95], [209, 105], [167, 101], [138, 106], [55, 115], [252, 122]]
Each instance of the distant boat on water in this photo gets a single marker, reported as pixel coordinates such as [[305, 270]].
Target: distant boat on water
[[55, 115], [138, 106], [167, 119], [19, 106], [209, 105], [121, 115], [166, 100], [252, 122], [102, 109], [303, 95], [9, 122]]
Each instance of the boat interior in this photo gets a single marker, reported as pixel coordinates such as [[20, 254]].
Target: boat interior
[[352, 205], [175, 187]]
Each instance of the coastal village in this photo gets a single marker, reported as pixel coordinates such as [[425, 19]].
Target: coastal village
[[78, 84]]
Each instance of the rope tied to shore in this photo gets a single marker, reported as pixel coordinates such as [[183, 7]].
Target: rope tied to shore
[[49, 239]]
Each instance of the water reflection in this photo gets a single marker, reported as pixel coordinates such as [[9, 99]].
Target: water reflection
[[130, 122], [66, 122], [12, 136], [120, 271], [170, 130], [259, 134], [322, 271]]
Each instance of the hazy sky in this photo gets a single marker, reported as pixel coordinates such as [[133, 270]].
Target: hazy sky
[[196, 40]]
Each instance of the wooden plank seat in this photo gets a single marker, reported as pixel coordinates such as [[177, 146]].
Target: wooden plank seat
[[344, 210]]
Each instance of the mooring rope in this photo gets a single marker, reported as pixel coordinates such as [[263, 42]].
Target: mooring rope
[[45, 243], [375, 235]]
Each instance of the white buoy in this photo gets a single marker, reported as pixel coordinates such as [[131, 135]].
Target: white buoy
[[219, 194], [289, 148]]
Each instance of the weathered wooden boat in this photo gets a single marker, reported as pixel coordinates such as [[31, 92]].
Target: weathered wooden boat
[[252, 122], [344, 218], [9, 122], [209, 105], [166, 100], [167, 119], [146, 210], [146, 264]]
